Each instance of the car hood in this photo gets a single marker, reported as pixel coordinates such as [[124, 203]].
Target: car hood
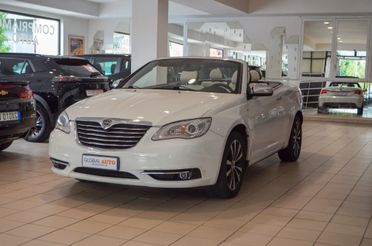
[[156, 106]]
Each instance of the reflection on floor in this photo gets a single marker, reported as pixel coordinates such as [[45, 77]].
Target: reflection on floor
[[326, 197]]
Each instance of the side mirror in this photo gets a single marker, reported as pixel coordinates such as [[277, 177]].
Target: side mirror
[[260, 91]]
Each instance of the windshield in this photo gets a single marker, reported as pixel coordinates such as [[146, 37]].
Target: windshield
[[204, 75], [345, 84]]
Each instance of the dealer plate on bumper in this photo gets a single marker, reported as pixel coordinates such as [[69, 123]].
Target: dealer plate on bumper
[[91, 93], [101, 162]]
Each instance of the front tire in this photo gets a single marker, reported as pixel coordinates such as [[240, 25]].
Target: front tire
[[232, 168], [5, 145], [293, 150], [42, 129]]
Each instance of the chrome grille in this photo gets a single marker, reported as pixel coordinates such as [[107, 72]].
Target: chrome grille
[[118, 136]]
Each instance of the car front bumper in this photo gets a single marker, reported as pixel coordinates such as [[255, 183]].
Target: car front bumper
[[148, 156]]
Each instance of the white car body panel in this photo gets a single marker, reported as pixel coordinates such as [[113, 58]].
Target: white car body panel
[[268, 122]]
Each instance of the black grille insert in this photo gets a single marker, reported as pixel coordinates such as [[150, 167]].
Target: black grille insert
[[119, 136], [104, 173]]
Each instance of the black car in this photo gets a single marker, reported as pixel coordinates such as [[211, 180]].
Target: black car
[[17, 111], [114, 66], [57, 82]]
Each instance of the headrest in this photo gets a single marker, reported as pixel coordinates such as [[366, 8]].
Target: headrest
[[254, 76], [113, 66], [186, 76], [216, 74]]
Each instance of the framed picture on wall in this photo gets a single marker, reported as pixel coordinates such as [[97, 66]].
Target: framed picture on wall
[[76, 45]]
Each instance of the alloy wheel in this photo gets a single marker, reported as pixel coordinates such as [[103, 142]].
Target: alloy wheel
[[234, 165], [35, 131], [297, 138]]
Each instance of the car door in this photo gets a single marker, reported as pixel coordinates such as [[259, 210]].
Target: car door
[[266, 117]]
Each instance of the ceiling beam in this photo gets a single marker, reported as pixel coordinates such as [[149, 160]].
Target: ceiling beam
[[242, 5]]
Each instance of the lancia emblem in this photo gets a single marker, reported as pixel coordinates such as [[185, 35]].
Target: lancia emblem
[[106, 124], [4, 93]]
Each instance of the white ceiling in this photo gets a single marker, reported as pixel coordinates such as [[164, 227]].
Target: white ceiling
[[318, 34]]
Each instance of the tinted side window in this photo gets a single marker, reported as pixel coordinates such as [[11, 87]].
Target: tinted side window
[[14, 66]]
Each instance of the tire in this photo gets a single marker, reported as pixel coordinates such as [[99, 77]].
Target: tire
[[41, 131], [322, 110], [232, 169], [360, 111], [5, 145], [293, 150]]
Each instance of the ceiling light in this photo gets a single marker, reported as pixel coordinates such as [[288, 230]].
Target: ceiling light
[[338, 38], [326, 23], [340, 41], [330, 27]]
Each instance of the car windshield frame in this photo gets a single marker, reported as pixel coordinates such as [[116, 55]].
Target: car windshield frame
[[130, 82]]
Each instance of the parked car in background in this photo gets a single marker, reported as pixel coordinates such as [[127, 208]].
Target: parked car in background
[[341, 95], [179, 123], [17, 111], [114, 66], [57, 82]]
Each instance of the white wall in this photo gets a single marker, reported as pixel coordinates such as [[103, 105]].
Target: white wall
[[69, 25]]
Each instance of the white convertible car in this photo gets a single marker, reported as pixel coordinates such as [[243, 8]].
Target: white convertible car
[[179, 123]]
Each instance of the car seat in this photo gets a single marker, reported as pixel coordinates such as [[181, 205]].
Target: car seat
[[189, 76]]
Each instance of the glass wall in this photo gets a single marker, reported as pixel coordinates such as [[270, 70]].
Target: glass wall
[[213, 52], [121, 43], [29, 34], [175, 49], [335, 66]]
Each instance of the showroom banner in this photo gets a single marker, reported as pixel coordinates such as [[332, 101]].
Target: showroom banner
[[28, 34]]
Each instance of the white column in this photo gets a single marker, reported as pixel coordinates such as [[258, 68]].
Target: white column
[[185, 39], [292, 61], [149, 36], [275, 52]]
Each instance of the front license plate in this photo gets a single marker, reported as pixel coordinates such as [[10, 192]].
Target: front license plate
[[10, 116], [91, 93], [101, 162]]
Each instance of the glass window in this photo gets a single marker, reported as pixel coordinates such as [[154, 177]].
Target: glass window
[[317, 47], [215, 52], [175, 49], [352, 48], [28, 34], [14, 67], [76, 67], [203, 75], [121, 43], [107, 65]]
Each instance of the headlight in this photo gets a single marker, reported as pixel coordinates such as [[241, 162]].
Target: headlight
[[186, 129], [63, 122]]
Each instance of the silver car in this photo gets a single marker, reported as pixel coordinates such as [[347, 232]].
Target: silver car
[[341, 95]]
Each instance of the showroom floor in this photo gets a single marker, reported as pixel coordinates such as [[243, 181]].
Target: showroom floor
[[326, 198]]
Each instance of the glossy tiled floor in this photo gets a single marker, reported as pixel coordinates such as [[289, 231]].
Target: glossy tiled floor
[[324, 199]]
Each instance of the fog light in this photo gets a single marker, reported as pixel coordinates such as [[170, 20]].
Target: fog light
[[185, 175]]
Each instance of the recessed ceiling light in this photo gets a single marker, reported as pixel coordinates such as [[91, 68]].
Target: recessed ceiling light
[[338, 38], [340, 41], [330, 27], [326, 23]]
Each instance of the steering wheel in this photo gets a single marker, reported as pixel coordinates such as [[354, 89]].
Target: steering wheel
[[222, 88]]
